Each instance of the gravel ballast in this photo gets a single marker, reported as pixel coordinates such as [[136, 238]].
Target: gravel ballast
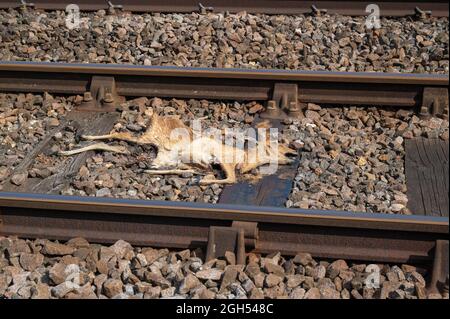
[[24, 121], [42, 269], [353, 158], [300, 42], [350, 158]]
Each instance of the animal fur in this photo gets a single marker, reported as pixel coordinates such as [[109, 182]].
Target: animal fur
[[197, 155]]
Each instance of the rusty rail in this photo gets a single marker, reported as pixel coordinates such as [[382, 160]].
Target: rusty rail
[[324, 234], [418, 91], [437, 8], [329, 234]]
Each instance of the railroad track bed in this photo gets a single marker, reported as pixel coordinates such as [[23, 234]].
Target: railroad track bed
[[257, 41], [76, 269], [118, 175], [360, 150], [374, 143]]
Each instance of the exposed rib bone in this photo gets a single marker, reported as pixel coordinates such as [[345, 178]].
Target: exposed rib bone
[[97, 147]]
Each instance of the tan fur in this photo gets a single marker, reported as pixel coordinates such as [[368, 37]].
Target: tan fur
[[190, 157]]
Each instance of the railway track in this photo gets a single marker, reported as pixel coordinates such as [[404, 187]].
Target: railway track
[[436, 8], [231, 225], [283, 87], [239, 229]]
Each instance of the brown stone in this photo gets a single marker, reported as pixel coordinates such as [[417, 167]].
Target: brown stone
[[189, 282], [335, 268], [304, 259], [56, 249], [294, 280], [17, 247], [209, 274], [78, 242], [112, 287], [273, 280], [157, 280], [229, 277], [153, 293], [40, 291], [31, 261], [256, 294], [123, 250], [313, 293], [329, 293], [57, 273], [274, 269]]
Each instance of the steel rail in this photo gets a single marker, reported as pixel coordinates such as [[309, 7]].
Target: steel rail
[[328, 234], [337, 88], [438, 8]]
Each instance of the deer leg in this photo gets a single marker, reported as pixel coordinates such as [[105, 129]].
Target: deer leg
[[230, 173], [123, 136], [182, 169], [171, 172], [282, 160], [96, 147], [286, 150], [267, 159], [249, 166], [285, 160]]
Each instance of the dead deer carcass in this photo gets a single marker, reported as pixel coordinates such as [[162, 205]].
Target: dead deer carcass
[[192, 154]]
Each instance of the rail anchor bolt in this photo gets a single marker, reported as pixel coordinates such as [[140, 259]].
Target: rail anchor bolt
[[87, 96], [422, 14], [294, 109], [272, 108], [318, 12], [108, 98], [112, 7], [25, 5], [205, 10]]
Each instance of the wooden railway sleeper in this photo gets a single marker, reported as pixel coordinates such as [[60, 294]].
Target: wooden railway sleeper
[[102, 95], [434, 103], [232, 239], [284, 102]]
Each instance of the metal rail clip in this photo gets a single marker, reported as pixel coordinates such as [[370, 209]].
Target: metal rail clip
[[318, 12], [423, 14], [203, 9], [25, 4], [102, 96], [284, 102], [231, 239], [112, 7], [434, 103]]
